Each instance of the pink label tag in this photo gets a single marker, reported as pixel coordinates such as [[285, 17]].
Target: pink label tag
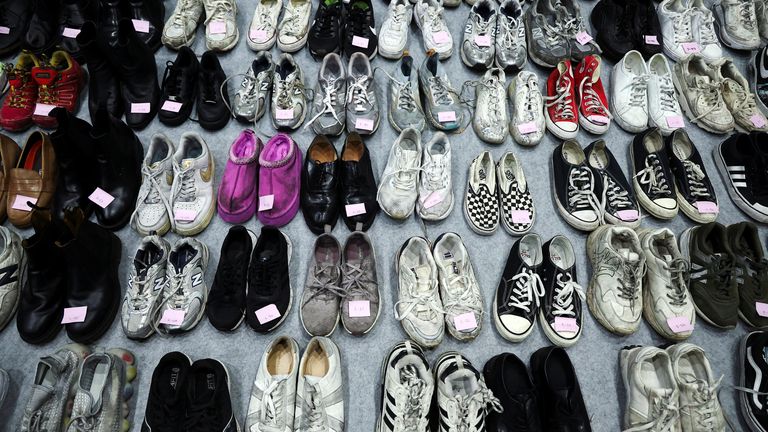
[[527, 128], [359, 41], [43, 109], [758, 120], [141, 108], [679, 324], [74, 314], [690, 47], [432, 200], [566, 325], [359, 308], [628, 215], [20, 203], [5, 30], [266, 202], [172, 317], [267, 313], [217, 27], [583, 38], [284, 114], [184, 215], [259, 35], [101, 198], [364, 124], [707, 207], [599, 119], [762, 309], [651, 40], [441, 37], [354, 209], [70, 32], [465, 321], [483, 40], [141, 26], [446, 116], [675, 122], [171, 106], [521, 216]]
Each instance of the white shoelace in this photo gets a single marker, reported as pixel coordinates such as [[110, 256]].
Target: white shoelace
[[357, 94], [747, 17], [564, 293], [667, 96], [652, 176], [411, 417], [272, 406], [185, 12], [591, 99], [422, 298], [638, 91], [707, 27], [581, 190], [292, 24], [149, 193], [665, 415], [695, 175], [462, 298], [397, 20], [528, 288], [613, 195], [222, 9], [462, 417], [330, 99], [562, 100], [681, 26]]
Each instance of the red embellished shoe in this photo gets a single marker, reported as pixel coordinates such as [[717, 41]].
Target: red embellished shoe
[[60, 80], [19, 105]]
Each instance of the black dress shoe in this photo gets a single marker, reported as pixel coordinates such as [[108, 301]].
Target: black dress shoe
[[108, 21], [560, 402], [320, 185], [149, 16], [212, 112], [179, 88], [226, 300], [74, 13], [14, 15], [43, 31], [507, 377], [358, 186], [269, 288], [75, 155], [103, 85]]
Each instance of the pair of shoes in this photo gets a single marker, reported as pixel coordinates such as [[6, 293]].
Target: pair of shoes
[[437, 289], [405, 110], [688, 27], [435, 34], [555, 31], [252, 96], [333, 183], [644, 94], [176, 188], [670, 389], [494, 34], [37, 87], [147, 17], [503, 190], [76, 387], [418, 177], [590, 187], [292, 32], [563, 113], [345, 98], [13, 262], [166, 287], [742, 163], [539, 281], [622, 27], [350, 28], [739, 23], [221, 33], [752, 385], [71, 279], [527, 124], [295, 395], [184, 395], [341, 284]]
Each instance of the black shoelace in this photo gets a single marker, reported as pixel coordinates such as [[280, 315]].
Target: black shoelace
[[327, 17], [231, 280], [265, 274], [358, 22], [201, 419], [724, 271], [210, 89]]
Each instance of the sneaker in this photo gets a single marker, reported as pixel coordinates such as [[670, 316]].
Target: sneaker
[[362, 103], [253, 95], [237, 196], [751, 262], [758, 67], [667, 302], [273, 397], [398, 191], [664, 110], [459, 289], [509, 380], [698, 388], [360, 29], [360, 306], [527, 124], [186, 293], [179, 88], [221, 33], [615, 291], [547, 43], [517, 210], [262, 32], [153, 205], [213, 103], [575, 187], [491, 118], [739, 160], [738, 97], [560, 313], [704, 23], [289, 103], [761, 13], [320, 301], [695, 193], [293, 30], [593, 104], [208, 398], [630, 96], [752, 385], [481, 201], [569, 19], [407, 386], [652, 175], [429, 16], [329, 104], [442, 102], [191, 194], [325, 33], [226, 301], [418, 307], [279, 181], [167, 393], [52, 389], [478, 45], [714, 281], [146, 282], [394, 30], [737, 22], [613, 22], [14, 269], [651, 389], [320, 388], [700, 95], [19, 104], [59, 81], [510, 37], [405, 109], [520, 290], [435, 186], [561, 110], [618, 205], [181, 27], [270, 293]]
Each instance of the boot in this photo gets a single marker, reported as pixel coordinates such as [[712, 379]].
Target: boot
[[153, 13], [108, 22], [91, 255], [75, 153], [119, 154], [74, 13], [43, 31], [103, 86]]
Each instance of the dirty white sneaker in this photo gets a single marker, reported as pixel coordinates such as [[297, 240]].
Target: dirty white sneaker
[[294, 27], [704, 25], [363, 114], [273, 397], [737, 22], [407, 390], [515, 200], [527, 124], [698, 389], [153, 204], [435, 186], [289, 102], [253, 95], [320, 388], [653, 398], [738, 97], [13, 261], [262, 32], [181, 27], [393, 35], [676, 20], [700, 95], [221, 33], [430, 18], [186, 293], [663, 108], [629, 93], [398, 185], [491, 118], [192, 198], [146, 283]]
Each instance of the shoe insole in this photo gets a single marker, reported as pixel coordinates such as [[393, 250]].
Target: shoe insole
[[560, 254], [462, 383], [181, 256], [44, 375], [170, 379], [653, 373], [280, 360], [316, 363], [691, 371], [32, 159], [353, 151], [322, 154]]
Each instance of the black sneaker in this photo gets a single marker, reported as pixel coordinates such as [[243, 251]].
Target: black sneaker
[[612, 21], [508, 378], [695, 194], [574, 186], [166, 399], [753, 268], [647, 28], [753, 385], [619, 205], [520, 289], [561, 404], [359, 29], [212, 110], [179, 88], [744, 169], [560, 312], [209, 404], [269, 295], [759, 69], [226, 300], [652, 176], [325, 33]]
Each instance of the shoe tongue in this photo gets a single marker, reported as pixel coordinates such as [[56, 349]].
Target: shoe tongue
[[16, 79], [44, 75], [360, 5], [422, 272], [628, 255]]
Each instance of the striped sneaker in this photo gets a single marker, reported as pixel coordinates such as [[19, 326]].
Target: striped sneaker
[[406, 390], [742, 164]]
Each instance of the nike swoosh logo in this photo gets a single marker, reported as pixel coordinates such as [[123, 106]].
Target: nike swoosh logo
[[373, 30]]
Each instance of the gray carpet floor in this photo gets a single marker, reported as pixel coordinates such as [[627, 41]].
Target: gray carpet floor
[[595, 356]]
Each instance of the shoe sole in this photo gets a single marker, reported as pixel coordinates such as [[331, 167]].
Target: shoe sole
[[506, 334], [749, 418], [554, 337], [736, 197], [471, 224], [655, 210]]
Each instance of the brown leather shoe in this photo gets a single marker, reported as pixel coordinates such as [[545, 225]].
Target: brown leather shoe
[[34, 178], [9, 154]]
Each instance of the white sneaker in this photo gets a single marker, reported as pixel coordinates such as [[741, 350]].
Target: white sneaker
[[738, 96], [181, 27], [221, 33], [192, 199], [435, 187], [13, 261], [704, 25], [407, 387], [186, 293], [676, 20], [398, 185], [663, 108], [629, 93], [393, 36], [153, 207], [273, 398], [652, 396], [294, 27], [761, 10], [262, 33], [320, 388], [362, 110], [430, 18], [527, 125], [146, 283], [515, 200], [481, 202], [491, 118], [737, 21]]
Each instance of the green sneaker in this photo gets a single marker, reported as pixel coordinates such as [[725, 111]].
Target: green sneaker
[[753, 269]]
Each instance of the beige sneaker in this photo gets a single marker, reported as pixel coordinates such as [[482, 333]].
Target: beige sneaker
[[701, 96], [738, 97], [653, 399]]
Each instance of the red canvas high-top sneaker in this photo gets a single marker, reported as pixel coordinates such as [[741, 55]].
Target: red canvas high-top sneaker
[[60, 80], [19, 104]]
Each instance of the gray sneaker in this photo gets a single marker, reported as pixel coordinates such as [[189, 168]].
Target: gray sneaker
[[186, 292], [13, 262], [547, 44], [360, 305], [700, 95], [252, 96], [404, 99], [362, 103], [146, 282], [491, 118], [510, 37], [52, 389], [397, 192], [527, 124], [289, 103], [477, 49], [570, 22], [443, 109], [319, 310], [330, 95]]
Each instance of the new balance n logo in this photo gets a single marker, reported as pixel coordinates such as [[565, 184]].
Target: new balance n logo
[[9, 274], [197, 279]]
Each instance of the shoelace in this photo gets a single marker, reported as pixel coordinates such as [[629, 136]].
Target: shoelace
[[614, 196], [463, 415], [440, 90], [172, 80], [434, 175], [221, 10], [629, 280], [357, 93], [462, 297], [747, 16], [82, 423], [19, 97], [184, 189], [185, 12], [497, 98], [667, 97], [355, 280], [202, 419], [590, 98], [248, 90], [724, 268], [357, 21], [406, 100], [320, 287], [149, 193], [507, 37], [423, 300], [532, 98], [316, 413], [638, 91], [272, 405], [330, 100], [36, 421], [581, 190], [482, 26], [285, 90], [414, 388], [695, 176], [563, 100], [292, 25], [711, 93], [397, 19], [707, 32], [677, 270], [265, 21], [704, 402], [681, 25], [745, 101], [664, 414], [138, 294], [324, 20], [528, 288], [652, 176], [435, 19], [564, 292]]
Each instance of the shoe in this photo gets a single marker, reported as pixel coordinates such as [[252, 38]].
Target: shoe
[[146, 282], [320, 301], [273, 397], [262, 33], [509, 380], [208, 398], [676, 18], [435, 186], [329, 107], [405, 110], [561, 110], [59, 81], [181, 27], [75, 156], [613, 22], [253, 95], [653, 397], [738, 97], [221, 33], [226, 301], [630, 95], [761, 13], [325, 33], [649, 37], [320, 180], [107, 22], [167, 393], [615, 291], [574, 187], [568, 17], [527, 125], [704, 23], [758, 68], [358, 186], [237, 197], [594, 116], [362, 104], [516, 203], [557, 385], [15, 17], [33, 181], [394, 30], [664, 110], [694, 190], [700, 95], [740, 162], [442, 101], [737, 24], [619, 205], [293, 31], [359, 29], [320, 388], [652, 175], [478, 45], [153, 207], [270, 293], [547, 42], [212, 98], [43, 25], [491, 118], [519, 292], [418, 307], [14, 268], [103, 82], [397, 193], [279, 181], [481, 201], [191, 198], [360, 307], [149, 21], [179, 88], [19, 104], [694, 376], [407, 386], [186, 293], [560, 313], [713, 282], [667, 304], [752, 368], [430, 18], [289, 103], [9, 155], [53, 388], [510, 42], [748, 253]]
